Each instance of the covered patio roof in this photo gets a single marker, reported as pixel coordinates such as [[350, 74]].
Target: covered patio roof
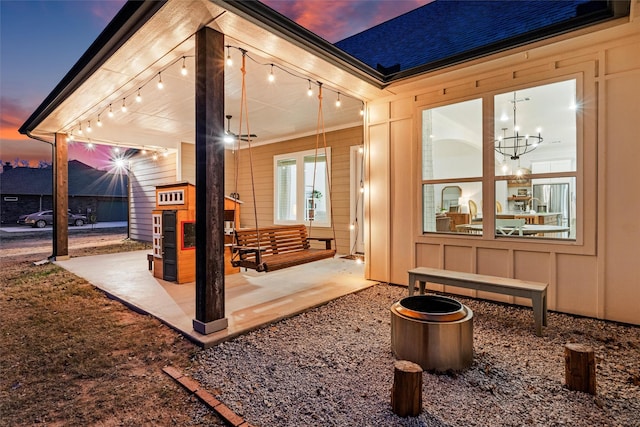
[[150, 41]]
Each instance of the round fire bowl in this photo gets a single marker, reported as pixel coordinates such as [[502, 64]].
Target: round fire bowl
[[433, 331]]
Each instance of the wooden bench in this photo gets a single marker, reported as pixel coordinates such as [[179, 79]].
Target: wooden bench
[[536, 291], [276, 247]]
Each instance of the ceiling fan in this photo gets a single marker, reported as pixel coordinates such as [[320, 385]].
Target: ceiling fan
[[230, 137]]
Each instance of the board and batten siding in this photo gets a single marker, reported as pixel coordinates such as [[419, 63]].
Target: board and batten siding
[[144, 176], [340, 142], [597, 274]]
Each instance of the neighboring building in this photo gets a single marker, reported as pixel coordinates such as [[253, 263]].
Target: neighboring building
[[91, 192], [439, 90]]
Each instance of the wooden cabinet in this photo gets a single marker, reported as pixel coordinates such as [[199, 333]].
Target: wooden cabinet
[[458, 219]]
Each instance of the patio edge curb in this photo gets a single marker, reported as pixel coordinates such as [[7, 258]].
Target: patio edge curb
[[194, 388]]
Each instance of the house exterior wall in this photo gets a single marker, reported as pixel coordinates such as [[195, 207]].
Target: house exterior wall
[[340, 142], [595, 275], [145, 174]]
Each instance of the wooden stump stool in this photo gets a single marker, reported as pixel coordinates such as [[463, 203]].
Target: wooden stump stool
[[406, 394], [580, 368]]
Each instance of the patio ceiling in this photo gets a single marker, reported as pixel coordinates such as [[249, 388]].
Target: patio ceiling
[[164, 118]]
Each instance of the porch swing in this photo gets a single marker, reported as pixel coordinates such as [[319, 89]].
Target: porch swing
[[275, 247]]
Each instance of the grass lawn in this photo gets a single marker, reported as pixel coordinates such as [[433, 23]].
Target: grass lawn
[[71, 356]]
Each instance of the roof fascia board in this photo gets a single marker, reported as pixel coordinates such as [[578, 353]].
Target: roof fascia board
[[132, 16], [272, 21]]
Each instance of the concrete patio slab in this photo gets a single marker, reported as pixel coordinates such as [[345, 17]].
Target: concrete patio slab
[[251, 299]]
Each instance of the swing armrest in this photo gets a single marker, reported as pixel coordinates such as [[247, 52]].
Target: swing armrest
[[327, 241]]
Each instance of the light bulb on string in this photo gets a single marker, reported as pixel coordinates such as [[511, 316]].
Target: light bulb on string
[[271, 77], [144, 151], [362, 109], [160, 84], [352, 226], [361, 149], [184, 71], [155, 156], [124, 105], [116, 149], [89, 127], [309, 91], [138, 96], [229, 60], [338, 103], [90, 145], [166, 153], [110, 113], [99, 122], [79, 128]]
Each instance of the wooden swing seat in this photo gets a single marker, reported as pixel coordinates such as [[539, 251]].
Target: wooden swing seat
[[281, 246]]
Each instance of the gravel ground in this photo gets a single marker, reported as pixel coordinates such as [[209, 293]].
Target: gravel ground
[[333, 366]]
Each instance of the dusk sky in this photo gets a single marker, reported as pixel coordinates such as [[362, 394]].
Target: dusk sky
[[41, 40]]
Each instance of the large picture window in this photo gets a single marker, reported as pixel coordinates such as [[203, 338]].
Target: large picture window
[[534, 170], [301, 190]]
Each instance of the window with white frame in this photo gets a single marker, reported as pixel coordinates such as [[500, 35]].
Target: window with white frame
[[301, 188], [535, 167]]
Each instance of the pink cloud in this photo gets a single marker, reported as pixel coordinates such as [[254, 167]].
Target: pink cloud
[[335, 20], [105, 10]]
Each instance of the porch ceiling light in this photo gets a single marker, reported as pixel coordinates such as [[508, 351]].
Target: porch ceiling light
[[516, 145]]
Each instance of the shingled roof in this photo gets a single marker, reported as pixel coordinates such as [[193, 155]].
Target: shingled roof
[[83, 181], [449, 31]]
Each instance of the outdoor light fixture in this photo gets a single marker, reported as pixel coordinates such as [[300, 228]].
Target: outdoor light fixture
[[271, 77], [89, 127], [99, 122], [155, 156], [79, 128], [338, 102], [138, 97], [124, 105], [110, 113], [309, 91], [184, 71], [160, 84], [362, 109], [517, 145], [229, 60]]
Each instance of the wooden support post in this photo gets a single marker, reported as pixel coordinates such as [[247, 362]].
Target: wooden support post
[[580, 368], [60, 198], [406, 394], [210, 315]]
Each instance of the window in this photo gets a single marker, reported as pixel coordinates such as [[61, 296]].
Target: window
[[301, 190], [538, 188], [452, 167], [535, 188]]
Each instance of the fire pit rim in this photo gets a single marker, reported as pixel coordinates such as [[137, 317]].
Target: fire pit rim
[[449, 316]]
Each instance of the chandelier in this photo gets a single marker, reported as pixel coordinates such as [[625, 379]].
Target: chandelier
[[517, 145]]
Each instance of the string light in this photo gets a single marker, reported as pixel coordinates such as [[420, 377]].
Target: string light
[[155, 156], [166, 153], [144, 151], [89, 127], [116, 149], [184, 71], [271, 77], [229, 60], [90, 145], [79, 128]]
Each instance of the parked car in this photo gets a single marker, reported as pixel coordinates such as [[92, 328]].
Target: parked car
[[42, 218]]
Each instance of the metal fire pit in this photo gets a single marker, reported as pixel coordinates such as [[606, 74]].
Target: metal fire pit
[[433, 331]]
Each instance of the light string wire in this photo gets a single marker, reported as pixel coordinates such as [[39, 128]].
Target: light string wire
[[70, 126]]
